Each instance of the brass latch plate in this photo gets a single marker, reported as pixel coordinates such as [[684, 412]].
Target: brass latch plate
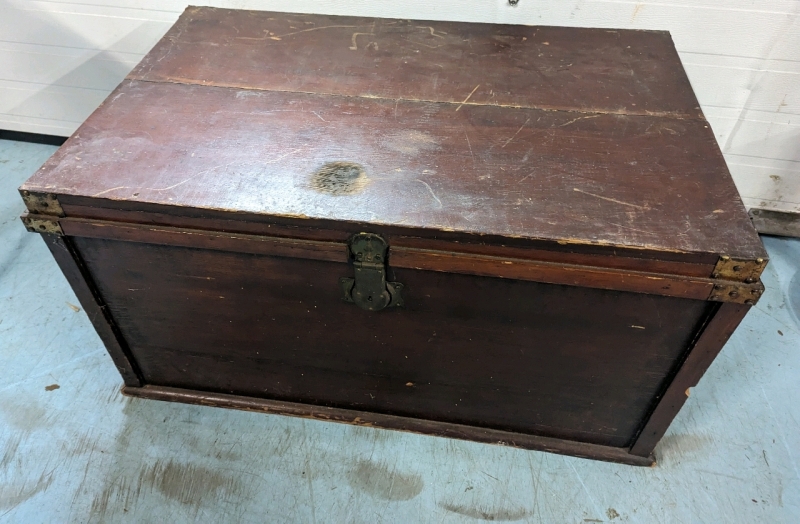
[[369, 289]]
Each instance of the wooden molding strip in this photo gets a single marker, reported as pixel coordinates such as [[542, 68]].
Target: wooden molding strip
[[195, 238], [422, 259], [552, 273], [378, 420]]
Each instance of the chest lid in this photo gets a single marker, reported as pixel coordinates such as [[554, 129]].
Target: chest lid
[[498, 134]]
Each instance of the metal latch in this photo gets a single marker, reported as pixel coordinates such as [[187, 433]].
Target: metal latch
[[369, 289]]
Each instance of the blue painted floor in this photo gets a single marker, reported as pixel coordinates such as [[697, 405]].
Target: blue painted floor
[[72, 449]]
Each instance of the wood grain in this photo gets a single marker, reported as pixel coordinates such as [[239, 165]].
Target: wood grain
[[219, 241], [558, 361], [556, 272], [633, 72], [78, 46], [642, 182], [552, 273], [142, 214]]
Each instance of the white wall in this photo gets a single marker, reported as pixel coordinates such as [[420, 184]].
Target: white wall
[[59, 60]]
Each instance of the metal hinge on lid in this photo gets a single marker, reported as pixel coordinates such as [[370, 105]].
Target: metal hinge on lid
[[42, 203], [737, 280], [369, 289], [43, 212], [42, 224], [738, 270], [736, 292]]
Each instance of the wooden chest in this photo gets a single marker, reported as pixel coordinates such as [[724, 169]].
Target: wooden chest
[[516, 235]]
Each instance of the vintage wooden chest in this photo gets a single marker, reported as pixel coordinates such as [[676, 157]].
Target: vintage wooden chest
[[517, 235]]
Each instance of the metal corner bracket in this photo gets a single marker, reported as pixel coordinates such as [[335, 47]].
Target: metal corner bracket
[[736, 292], [42, 203], [738, 270], [42, 224]]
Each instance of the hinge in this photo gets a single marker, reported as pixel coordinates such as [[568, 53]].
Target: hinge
[[42, 224], [369, 289], [736, 292], [42, 203], [738, 270]]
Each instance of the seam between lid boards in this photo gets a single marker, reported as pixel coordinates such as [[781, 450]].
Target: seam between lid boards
[[133, 78], [129, 81]]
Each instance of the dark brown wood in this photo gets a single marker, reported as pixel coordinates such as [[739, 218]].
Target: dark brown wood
[[431, 167], [559, 361], [619, 259], [697, 265], [378, 420], [556, 68], [642, 171], [70, 263], [553, 273], [555, 205], [218, 241], [401, 257], [705, 350]]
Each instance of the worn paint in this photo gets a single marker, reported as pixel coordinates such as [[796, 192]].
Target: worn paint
[[411, 142], [590, 112], [339, 179]]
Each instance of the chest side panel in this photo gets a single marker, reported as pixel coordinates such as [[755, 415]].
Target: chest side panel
[[551, 360]]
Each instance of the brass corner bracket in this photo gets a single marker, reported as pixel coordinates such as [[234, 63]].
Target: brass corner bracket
[[738, 270], [42, 224], [42, 203], [736, 292]]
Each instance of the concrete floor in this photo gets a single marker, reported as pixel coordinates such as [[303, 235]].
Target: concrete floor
[[74, 450]]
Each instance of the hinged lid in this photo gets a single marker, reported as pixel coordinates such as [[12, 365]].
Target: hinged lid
[[505, 135]]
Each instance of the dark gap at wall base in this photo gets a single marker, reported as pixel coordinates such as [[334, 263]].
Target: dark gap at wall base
[[779, 223], [34, 138]]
